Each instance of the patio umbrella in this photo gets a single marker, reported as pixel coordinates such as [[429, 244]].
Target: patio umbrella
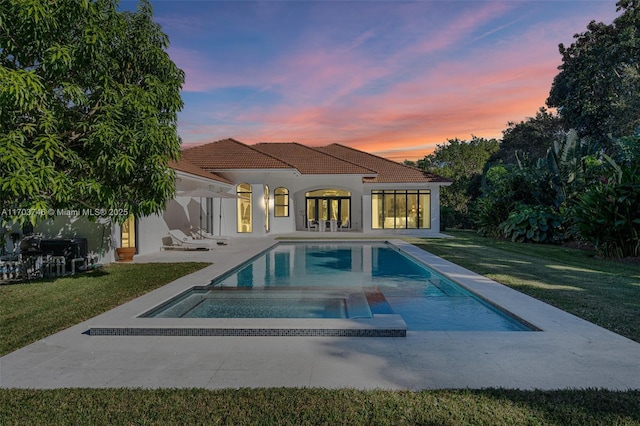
[[208, 193]]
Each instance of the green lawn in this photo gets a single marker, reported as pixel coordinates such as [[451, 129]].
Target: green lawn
[[282, 406], [604, 292], [34, 310]]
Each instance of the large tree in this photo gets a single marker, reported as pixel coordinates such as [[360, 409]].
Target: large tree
[[88, 108], [463, 162], [529, 140], [597, 91]]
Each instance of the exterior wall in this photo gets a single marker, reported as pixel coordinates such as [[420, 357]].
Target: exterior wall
[[298, 185], [434, 210], [189, 214]]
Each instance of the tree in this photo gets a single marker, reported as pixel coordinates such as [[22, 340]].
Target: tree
[[529, 140], [463, 162], [88, 108], [597, 91]]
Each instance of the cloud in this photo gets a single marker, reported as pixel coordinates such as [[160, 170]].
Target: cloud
[[397, 92]]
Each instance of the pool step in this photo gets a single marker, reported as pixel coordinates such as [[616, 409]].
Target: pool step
[[379, 326]]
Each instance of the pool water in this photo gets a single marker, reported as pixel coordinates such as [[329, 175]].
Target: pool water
[[340, 280]]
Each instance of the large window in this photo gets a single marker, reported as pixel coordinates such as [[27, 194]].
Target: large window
[[281, 202], [401, 209], [244, 208], [329, 204]]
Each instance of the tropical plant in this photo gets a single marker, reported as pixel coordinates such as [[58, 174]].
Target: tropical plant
[[608, 211], [537, 224], [565, 161], [88, 108], [503, 188], [607, 214]]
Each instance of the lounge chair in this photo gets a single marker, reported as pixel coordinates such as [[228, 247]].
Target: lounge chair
[[181, 241], [221, 240]]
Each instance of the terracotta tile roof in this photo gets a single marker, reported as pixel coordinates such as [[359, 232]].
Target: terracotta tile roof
[[388, 171], [230, 154], [187, 167], [311, 161]]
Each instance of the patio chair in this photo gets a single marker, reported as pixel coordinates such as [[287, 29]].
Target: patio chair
[[312, 225], [199, 235], [182, 241], [344, 226]]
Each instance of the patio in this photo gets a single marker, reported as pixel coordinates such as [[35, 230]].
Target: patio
[[570, 352]]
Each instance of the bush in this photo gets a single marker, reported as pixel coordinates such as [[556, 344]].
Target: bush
[[608, 212], [504, 188], [608, 215], [537, 224]]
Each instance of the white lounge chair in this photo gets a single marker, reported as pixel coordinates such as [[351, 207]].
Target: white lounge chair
[[181, 241], [221, 240], [344, 225]]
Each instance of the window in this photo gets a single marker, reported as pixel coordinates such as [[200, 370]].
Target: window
[[266, 208], [328, 204], [128, 232], [401, 209], [281, 202], [244, 208]]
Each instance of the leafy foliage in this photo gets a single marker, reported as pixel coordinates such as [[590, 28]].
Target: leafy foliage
[[526, 141], [567, 161], [608, 212], [505, 187], [462, 161], [537, 224], [597, 90], [88, 107]]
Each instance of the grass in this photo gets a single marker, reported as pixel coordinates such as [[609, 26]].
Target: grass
[[34, 310], [282, 406], [601, 291]]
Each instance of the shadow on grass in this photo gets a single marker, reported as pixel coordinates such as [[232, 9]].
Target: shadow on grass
[[321, 406]]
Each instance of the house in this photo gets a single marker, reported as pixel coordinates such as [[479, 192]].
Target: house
[[276, 188]]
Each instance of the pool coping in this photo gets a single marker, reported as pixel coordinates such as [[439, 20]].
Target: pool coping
[[128, 320], [133, 323], [569, 353]]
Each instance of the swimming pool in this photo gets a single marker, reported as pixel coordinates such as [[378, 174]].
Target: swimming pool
[[339, 280]]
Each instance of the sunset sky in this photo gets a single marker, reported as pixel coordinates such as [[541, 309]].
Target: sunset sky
[[390, 78]]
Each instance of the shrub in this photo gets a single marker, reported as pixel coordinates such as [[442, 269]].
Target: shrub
[[537, 224], [608, 211], [608, 215]]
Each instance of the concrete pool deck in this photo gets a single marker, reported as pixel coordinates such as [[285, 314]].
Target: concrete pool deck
[[568, 353]]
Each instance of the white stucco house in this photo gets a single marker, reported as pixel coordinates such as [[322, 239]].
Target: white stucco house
[[275, 188]]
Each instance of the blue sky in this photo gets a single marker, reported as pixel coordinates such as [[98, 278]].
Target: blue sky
[[391, 78]]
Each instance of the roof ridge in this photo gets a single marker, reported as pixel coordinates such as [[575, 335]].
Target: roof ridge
[[210, 143], [244, 145], [272, 156], [184, 165], [382, 158], [342, 159]]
